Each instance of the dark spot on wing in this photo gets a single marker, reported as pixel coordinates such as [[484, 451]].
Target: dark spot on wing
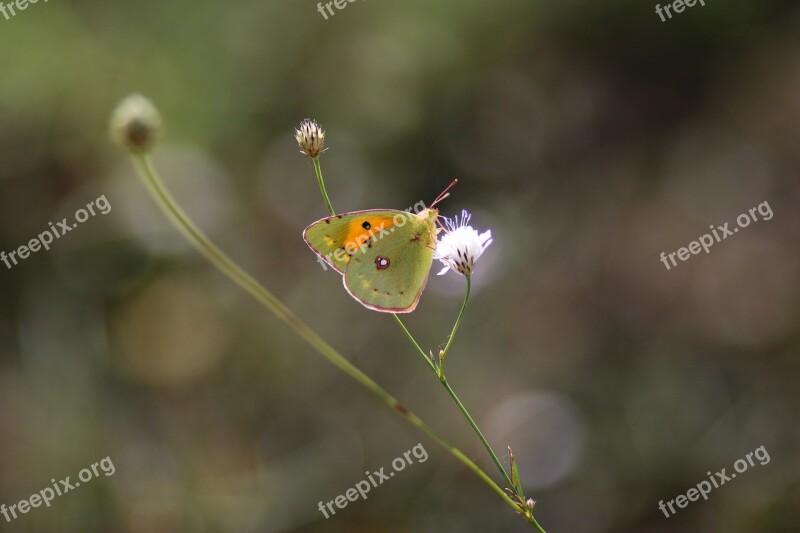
[[366, 225], [382, 263], [327, 221]]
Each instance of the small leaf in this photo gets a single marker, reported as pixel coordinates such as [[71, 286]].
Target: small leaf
[[515, 475]]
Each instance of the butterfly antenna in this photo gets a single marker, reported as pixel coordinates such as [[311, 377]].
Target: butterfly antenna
[[445, 193]]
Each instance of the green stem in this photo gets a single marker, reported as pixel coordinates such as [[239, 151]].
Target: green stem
[[318, 170], [440, 372], [455, 327], [453, 395], [228, 267], [531, 520], [477, 430], [528, 515], [414, 342]]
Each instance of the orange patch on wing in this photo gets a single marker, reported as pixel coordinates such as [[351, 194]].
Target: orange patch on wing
[[357, 235]]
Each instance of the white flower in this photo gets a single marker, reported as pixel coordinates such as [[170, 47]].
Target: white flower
[[461, 246]]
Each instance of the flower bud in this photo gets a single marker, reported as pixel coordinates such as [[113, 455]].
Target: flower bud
[[136, 124], [310, 138]]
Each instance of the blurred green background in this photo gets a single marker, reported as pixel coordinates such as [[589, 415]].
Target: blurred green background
[[588, 136]]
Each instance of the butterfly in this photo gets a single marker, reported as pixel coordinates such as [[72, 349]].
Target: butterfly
[[383, 255]]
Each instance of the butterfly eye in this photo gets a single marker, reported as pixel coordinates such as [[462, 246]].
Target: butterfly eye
[[366, 225], [382, 263]]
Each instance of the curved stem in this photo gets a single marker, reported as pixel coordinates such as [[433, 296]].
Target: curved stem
[[477, 430], [528, 514], [235, 273], [440, 372], [453, 395], [414, 342], [318, 171], [455, 327]]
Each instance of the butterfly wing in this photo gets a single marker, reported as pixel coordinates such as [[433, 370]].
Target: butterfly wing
[[336, 238], [390, 274]]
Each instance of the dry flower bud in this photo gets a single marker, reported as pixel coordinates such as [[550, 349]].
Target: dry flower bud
[[136, 124], [310, 138]]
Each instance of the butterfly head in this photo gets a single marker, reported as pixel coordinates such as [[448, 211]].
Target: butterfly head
[[429, 216], [428, 213]]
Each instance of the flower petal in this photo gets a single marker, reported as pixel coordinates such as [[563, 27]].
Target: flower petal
[[461, 246]]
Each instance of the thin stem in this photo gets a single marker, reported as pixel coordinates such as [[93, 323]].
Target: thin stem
[[531, 520], [452, 393], [440, 372], [464, 411], [478, 432], [455, 327], [318, 170], [414, 342], [228, 267]]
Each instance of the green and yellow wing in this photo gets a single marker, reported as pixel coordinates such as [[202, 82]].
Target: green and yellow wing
[[336, 238], [391, 273]]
